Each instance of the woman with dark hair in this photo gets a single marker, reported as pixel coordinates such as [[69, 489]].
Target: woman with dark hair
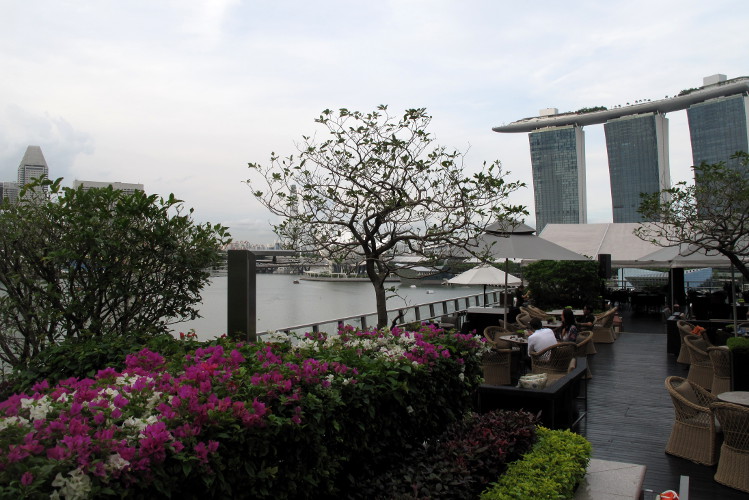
[[569, 327]]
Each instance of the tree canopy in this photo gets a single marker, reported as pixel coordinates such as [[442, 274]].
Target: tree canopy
[[86, 263], [712, 214], [376, 186]]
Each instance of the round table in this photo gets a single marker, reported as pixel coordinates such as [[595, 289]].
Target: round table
[[735, 397], [523, 343]]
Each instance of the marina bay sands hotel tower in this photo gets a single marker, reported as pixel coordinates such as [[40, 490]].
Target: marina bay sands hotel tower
[[637, 147]]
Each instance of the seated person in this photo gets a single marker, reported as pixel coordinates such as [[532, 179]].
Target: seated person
[[587, 319], [541, 338], [569, 329]]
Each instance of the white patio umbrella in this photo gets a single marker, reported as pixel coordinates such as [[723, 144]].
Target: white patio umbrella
[[506, 241], [485, 275]]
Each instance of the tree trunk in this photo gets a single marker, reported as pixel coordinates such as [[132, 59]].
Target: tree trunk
[[378, 282]]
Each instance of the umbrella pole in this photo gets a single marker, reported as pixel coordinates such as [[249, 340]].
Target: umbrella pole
[[506, 306], [733, 301]]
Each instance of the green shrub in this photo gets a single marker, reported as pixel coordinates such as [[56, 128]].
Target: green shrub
[[83, 357], [457, 464], [563, 283], [738, 345], [551, 470]]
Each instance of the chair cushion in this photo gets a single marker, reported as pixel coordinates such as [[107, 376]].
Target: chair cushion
[[686, 390]]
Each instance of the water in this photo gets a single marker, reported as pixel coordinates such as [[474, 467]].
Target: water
[[282, 304]]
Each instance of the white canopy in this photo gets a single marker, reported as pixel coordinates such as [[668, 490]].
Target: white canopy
[[685, 256], [592, 240], [484, 275]]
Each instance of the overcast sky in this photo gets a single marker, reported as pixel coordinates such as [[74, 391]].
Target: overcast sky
[[180, 95]]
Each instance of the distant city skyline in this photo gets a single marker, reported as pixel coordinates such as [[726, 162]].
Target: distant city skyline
[[637, 145]]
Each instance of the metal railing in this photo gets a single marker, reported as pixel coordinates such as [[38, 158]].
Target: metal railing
[[427, 311]]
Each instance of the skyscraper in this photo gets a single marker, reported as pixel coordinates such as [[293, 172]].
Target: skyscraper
[[32, 166], [718, 128], [637, 148], [558, 161]]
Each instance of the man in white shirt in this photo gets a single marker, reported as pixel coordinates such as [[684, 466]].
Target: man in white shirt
[[541, 338]]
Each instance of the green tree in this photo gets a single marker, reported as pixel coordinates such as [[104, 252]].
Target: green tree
[[711, 214], [77, 263], [379, 185], [563, 283]]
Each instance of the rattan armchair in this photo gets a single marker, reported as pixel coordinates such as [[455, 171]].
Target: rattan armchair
[[535, 312], [685, 328], [556, 360], [584, 339], [603, 327], [694, 435], [733, 465], [720, 357], [523, 320], [496, 365], [449, 321], [700, 367], [492, 334]]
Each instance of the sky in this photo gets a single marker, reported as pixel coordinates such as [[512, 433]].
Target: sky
[[179, 95]]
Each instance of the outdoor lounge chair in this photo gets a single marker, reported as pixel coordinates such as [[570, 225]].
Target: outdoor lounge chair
[[720, 357], [694, 435], [449, 322], [492, 334], [685, 328], [555, 361], [733, 465], [700, 367], [603, 327], [496, 365]]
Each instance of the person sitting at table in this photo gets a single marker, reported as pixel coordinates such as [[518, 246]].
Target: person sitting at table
[[587, 319], [569, 330], [541, 338]]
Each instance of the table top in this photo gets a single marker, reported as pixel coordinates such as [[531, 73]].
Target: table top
[[514, 338], [736, 397]]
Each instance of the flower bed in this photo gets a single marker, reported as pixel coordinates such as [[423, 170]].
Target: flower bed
[[265, 420]]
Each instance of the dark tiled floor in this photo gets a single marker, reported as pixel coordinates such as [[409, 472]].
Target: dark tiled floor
[[630, 413]]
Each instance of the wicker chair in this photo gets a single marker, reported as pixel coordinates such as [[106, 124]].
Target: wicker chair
[[694, 435], [603, 327], [700, 368], [535, 312], [449, 322], [555, 361], [492, 334], [523, 320], [720, 357], [685, 328], [733, 465], [585, 339], [496, 365]]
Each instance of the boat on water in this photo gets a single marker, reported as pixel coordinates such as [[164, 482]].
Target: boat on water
[[423, 276]]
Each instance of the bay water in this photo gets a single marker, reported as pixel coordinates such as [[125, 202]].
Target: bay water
[[281, 303]]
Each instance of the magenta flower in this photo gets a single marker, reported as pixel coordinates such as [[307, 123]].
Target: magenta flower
[[27, 478]]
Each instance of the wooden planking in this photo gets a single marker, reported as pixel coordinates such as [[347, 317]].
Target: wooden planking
[[630, 413]]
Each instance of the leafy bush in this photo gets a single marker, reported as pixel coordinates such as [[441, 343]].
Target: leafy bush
[[458, 464], [551, 470], [563, 283], [265, 420], [86, 263], [738, 345], [84, 357]]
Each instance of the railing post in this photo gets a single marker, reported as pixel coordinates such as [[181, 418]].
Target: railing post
[[241, 300]]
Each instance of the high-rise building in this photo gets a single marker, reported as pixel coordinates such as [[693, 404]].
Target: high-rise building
[[558, 160], [32, 166], [637, 148], [718, 129], [121, 186], [9, 191]]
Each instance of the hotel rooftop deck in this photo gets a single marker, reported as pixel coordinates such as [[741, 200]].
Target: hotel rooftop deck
[[630, 413]]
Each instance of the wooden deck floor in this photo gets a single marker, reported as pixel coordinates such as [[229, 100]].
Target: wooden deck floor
[[630, 413]]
